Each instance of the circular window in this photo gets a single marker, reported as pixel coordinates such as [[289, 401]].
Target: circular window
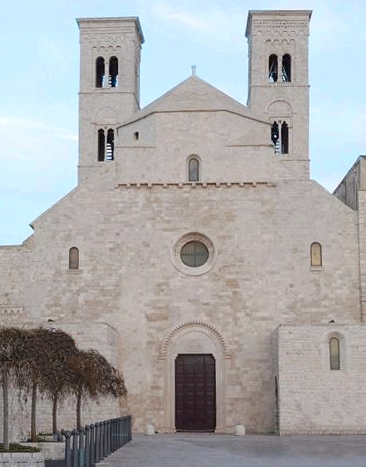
[[194, 254]]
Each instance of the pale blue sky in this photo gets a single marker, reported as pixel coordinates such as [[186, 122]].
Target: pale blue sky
[[39, 51]]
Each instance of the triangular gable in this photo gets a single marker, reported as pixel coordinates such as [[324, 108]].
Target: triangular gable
[[194, 94]]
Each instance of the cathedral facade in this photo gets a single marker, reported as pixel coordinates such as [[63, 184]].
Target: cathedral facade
[[196, 253]]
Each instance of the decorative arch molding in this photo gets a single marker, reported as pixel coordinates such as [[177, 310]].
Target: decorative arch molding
[[106, 116], [190, 326], [279, 108], [197, 337]]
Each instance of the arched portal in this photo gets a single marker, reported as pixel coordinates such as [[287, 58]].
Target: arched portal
[[201, 346]]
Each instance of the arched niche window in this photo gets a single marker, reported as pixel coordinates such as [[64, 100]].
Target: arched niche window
[[334, 353], [105, 145], [73, 258], [275, 134], [101, 145], [316, 254], [280, 137], [284, 138], [286, 68], [273, 68], [113, 72], [99, 72], [193, 169], [109, 156]]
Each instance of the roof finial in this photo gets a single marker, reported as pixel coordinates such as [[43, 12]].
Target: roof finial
[[193, 70]]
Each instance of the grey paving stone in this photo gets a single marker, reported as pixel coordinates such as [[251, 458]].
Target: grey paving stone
[[204, 450]]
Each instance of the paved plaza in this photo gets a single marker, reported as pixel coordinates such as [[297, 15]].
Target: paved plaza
[[207, 450]]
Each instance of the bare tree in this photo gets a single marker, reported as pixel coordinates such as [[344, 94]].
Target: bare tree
[[56, 374], [14, 363], [94, 377], [50, 372]]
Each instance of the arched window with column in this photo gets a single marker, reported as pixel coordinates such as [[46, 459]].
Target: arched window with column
[[193, 169], [105, 145], [280, 137]]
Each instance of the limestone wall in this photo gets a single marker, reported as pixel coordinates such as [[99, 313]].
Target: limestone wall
[[312, 398], [259, 277], [231, 148]]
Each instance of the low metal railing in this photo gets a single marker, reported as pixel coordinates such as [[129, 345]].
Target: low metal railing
[[89, 445]]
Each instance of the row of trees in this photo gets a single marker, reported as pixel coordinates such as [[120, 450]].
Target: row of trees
[[48, 362]]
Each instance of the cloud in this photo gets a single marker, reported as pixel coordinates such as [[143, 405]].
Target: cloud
[[208, 22], [13, 128], [35, 156]]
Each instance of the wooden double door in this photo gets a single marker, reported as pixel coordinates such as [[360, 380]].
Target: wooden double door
[[195, 392]]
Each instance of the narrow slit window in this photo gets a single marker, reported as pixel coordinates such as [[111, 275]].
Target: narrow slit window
[[273, 68], [109, 154], [136, 135], [193, 169], [73, 258], [284, 138], [286, 68], [334, 354], [275, 136], [316, 254], [113, 72], [100, 72], [101, 145]]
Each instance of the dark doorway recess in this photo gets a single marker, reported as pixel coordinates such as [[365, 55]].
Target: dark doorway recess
[[195, 393]]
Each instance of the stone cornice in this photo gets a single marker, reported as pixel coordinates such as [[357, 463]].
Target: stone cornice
[[196, 184]]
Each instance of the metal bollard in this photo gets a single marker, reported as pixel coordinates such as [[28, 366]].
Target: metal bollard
[[92, 444], [102, 440], [75, 436], [67, 435], [108, 437], [97, 442], [81, 450], [87, 446]]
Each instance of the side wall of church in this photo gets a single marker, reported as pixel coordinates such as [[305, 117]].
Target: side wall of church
[[313, 399], [11, 280]]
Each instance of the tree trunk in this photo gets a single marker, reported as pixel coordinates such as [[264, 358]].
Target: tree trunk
[[5, 383], [33, 413], [78, 410], [54, 414]]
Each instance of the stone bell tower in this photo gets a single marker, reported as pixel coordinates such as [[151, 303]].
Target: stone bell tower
[[279, 83], [110, 50]]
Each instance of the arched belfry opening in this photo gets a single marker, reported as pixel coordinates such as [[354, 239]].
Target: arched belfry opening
[[280, 137], [105, 145], [113, 72], [273, 68], [194, 392], [286, 68], [99, 72]]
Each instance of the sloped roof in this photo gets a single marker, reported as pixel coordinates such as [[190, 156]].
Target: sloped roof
[[194, 94]]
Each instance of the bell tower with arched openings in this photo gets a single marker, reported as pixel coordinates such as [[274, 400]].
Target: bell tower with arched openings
[[279, 84], [110, 50]]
